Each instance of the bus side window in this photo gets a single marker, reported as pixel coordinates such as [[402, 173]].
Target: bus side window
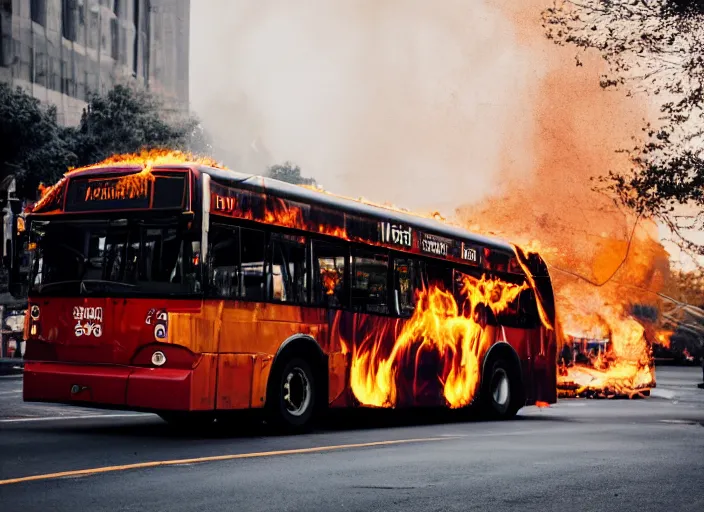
[[404, 286], [252, 264], [527, 315], [436, 274], [459, 283], [289, 272], [329, 262], [370, 274], [224, 261]]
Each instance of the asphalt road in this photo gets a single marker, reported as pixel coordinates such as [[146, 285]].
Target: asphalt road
[[596, 455]]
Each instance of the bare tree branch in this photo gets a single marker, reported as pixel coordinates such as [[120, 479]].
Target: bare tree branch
[[653, 47]]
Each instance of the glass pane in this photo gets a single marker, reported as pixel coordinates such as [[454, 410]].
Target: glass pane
[[369, 284], [289, 269], [252, 247], [404, 272], [82, 258], [329, 274], [436, 274], [224, 261]]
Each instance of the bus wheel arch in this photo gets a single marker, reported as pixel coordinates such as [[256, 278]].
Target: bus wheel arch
[[297, 384], [501, 390]]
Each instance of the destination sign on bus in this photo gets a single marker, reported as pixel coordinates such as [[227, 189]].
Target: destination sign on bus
[[396, 234], [470, 254], [114, 191], [436, 245], [114, 194], [105, 194]]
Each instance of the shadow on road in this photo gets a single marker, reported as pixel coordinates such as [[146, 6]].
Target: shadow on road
[[246, 425]]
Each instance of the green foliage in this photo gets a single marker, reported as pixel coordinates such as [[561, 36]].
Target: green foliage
[[38, 150], [653, 47], [34, 147], [126, 121], [289, 173]]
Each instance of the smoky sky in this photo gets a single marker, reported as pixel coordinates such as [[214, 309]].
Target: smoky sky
[[405, 101]]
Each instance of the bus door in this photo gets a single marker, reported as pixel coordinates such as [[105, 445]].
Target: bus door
[[330, 290]]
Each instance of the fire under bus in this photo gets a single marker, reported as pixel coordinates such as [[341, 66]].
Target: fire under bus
[[192, 291]]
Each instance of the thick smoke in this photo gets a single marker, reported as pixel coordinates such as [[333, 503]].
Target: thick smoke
[[428, 105], [575, 132], [410, 102]]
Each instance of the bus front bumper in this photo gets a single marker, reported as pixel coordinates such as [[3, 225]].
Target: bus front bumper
[[120, 387]]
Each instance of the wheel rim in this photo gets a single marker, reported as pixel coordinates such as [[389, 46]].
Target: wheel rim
[[297, 392], [500, 389]]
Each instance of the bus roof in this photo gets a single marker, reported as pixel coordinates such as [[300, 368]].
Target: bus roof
[[302, 194]]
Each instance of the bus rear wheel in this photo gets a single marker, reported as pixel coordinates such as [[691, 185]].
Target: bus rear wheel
[[291, 396], [500, 399]]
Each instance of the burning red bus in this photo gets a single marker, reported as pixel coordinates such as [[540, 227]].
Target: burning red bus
[[189, 291]]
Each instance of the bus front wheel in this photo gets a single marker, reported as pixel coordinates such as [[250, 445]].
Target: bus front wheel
[[500, 397], [291, 396]]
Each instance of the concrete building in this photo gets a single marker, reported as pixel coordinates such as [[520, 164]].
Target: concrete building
[[62, 50]]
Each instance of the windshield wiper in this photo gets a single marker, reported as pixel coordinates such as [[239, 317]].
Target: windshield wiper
[[102, 281], [43, 287], [82, 284], [106, 285]]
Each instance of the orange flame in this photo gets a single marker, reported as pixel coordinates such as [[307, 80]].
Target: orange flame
[[48, 194], [664, 338], [331, 278], [152, 157], [134, 185], [624, 368], [333, 231], [290, 216], [283, 215], [457, 333]]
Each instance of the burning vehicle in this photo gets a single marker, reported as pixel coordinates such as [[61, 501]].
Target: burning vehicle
[[594, 368], [611, 359], [583, 350]]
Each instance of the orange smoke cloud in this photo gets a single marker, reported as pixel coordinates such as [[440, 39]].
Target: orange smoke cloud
[[576, 129]]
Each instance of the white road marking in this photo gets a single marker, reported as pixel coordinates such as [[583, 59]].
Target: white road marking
[[680, 422], [11, 392]]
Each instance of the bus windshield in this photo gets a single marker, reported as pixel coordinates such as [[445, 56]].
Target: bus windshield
[[125, 257]]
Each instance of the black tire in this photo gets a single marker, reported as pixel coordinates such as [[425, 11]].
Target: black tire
[[500, 391], [291, 396]]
